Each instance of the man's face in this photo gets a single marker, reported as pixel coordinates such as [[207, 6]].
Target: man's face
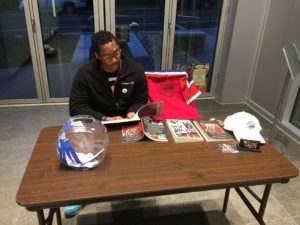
[[110, 56]]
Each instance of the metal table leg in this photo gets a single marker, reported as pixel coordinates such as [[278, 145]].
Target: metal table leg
[[225, 203], [49, 220], [263, 201]]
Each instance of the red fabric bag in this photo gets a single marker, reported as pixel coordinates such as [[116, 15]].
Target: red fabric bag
[[177, 93]]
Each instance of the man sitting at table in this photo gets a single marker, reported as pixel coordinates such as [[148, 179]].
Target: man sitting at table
[[111, 87]]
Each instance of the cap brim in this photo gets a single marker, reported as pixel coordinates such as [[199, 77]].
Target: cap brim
[[249, 135]]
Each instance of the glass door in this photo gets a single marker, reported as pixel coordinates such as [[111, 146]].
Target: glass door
[[17, 80], [159, 34], [170, 34], [66, 28], [195, 39], [42, 44], [139, 29]]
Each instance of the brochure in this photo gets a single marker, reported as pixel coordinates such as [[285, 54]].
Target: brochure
[[183, 131], [150, 109], [154, 130], [212, 130]]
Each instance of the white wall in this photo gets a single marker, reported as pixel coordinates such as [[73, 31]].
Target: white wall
[[248, 26], [256, 67], [282, 27]]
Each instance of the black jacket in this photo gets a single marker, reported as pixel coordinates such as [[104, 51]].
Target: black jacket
[[91, 93]]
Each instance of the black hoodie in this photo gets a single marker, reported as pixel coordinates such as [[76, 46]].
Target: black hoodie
[[91, 93]]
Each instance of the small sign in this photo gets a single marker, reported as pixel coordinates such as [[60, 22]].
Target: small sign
[[249, 145]]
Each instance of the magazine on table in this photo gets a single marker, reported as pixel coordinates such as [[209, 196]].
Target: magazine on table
[[211, 130], [150, 109], [183, 130], [154, 130]]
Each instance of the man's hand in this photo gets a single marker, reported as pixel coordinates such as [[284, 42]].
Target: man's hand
[[130, 115], [114, 118]]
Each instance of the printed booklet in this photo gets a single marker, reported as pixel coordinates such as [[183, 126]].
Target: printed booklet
[[154, 130], [183, 131], [212, 130], [150, 109]]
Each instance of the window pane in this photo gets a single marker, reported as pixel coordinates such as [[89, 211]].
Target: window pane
[[67, 27], [16, 72], [295, 117], [196, 31], [139, 28]]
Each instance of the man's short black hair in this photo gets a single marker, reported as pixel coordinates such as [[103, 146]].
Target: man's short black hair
[[100, 38]]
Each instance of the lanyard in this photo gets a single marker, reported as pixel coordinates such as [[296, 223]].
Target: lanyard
[[113, 92]]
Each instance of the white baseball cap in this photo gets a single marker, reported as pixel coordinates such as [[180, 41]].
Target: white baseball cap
[[244, 125]]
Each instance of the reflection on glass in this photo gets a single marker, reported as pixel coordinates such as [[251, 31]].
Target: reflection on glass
[[67, 27], [196, 31], [139, 28], [16, 72], [295, 116]]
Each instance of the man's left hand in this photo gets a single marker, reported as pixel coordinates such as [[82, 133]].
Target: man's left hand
[[130, 115]]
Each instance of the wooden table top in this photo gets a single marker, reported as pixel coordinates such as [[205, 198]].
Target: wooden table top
[[144, 168]]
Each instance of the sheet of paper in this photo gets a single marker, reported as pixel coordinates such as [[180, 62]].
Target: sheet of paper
[[122, 121]]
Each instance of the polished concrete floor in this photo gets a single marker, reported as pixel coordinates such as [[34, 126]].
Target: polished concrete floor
[[20, 127]]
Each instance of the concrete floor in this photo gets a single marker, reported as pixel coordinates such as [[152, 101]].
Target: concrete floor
[[21, 126]]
